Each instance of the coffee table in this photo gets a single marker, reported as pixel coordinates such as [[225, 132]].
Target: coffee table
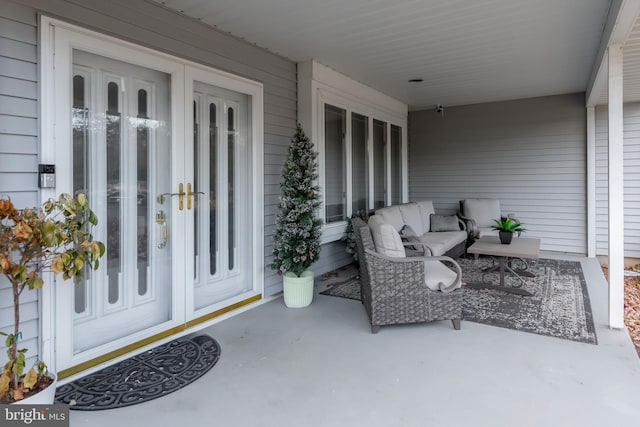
[[521, 247]]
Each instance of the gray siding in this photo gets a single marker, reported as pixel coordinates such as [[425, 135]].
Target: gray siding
[[18, 142], [151, 25], [530, 154], [631, 180]]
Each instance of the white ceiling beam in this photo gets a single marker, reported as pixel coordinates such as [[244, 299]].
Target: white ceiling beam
[[622, 17]]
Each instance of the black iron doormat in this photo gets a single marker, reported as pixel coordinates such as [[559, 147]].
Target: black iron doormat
[[146, 376]]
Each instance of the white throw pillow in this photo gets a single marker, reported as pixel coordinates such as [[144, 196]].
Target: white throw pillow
[[426, 209], [386, 238], [411, 216], [438, 277]]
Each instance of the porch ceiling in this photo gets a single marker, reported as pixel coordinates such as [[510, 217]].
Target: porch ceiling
[[466, 52]]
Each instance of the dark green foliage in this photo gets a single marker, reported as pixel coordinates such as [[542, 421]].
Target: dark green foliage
[[296, 242], [350, 236]]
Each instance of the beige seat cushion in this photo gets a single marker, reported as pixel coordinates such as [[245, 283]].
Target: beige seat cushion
[[386, 238], [487, 231], [438, 277], [440, 242]]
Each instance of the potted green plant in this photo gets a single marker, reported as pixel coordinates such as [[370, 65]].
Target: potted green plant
[[350, 236], [296, 243], [506, 227], [57, 238]]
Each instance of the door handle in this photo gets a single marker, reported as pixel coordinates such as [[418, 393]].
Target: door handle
[[180, 194], [191, 193], [161, 219]]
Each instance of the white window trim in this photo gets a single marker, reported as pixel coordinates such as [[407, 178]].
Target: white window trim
[[319, 85]]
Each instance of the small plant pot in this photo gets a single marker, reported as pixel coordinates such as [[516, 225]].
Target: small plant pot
[[298, 291], [45, 397], [505, 237]]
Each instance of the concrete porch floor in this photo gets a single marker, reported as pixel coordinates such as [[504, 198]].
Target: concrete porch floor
[[321, 366]]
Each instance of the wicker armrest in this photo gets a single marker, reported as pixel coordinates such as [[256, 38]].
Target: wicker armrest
[[471, 227], [419, 260], [426, 250]]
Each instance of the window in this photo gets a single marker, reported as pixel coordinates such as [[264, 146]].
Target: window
[[379, 164], [396, 164], [360, 134], [361, 170], [334, 145]]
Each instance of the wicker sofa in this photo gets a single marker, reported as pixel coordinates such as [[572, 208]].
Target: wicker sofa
[[439, 234], [397, 290]]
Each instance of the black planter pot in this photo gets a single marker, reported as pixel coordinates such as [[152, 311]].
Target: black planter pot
[[505, 237]]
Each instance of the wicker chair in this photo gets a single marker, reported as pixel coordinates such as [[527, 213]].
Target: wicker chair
[[393, 289]]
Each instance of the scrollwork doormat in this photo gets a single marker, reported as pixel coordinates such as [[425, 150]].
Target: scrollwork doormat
[[146, 376], [559, 307]]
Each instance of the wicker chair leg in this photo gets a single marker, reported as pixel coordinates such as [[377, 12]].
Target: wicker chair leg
[[375, 329], [456, 324]]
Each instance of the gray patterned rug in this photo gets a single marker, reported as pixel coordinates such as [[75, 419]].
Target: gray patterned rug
[[559, 306], [149, 375]]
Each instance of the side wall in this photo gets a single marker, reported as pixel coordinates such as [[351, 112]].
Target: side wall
[[530, 154], [19, 141], [631, 180]]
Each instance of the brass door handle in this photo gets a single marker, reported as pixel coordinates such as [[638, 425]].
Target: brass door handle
[[162, 220], [180, 194], [191, 193]]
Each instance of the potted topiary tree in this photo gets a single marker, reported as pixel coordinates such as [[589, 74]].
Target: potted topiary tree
[[55, 238], [296, 244]]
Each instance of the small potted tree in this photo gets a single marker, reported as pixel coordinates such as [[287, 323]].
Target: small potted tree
[[296, 244], [506, 227], [55, 238]]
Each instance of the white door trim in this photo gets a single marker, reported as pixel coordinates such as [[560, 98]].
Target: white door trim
[[52, 33]]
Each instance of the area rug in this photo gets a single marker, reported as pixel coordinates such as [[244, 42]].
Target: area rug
[[152, 374], [559, 306], [343, 282]]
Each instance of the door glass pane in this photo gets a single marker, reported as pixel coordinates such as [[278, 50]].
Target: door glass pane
[[360, 188], [121, 159], [113, 131], [396, 165], [334, 146], [213, 183], [80, 123], [231, 159], [379, 164], [196, 186], [142, 199]]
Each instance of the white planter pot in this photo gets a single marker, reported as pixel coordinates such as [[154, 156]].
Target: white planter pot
[[45, 397], [298, 291]]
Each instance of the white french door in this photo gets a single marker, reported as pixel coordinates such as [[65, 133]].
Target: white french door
[[221, 172], [166, 152]]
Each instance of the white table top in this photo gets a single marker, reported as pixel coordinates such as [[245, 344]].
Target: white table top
[[520, 247]]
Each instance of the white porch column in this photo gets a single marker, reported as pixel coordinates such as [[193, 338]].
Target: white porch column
[[616, 189], [591, 182]]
